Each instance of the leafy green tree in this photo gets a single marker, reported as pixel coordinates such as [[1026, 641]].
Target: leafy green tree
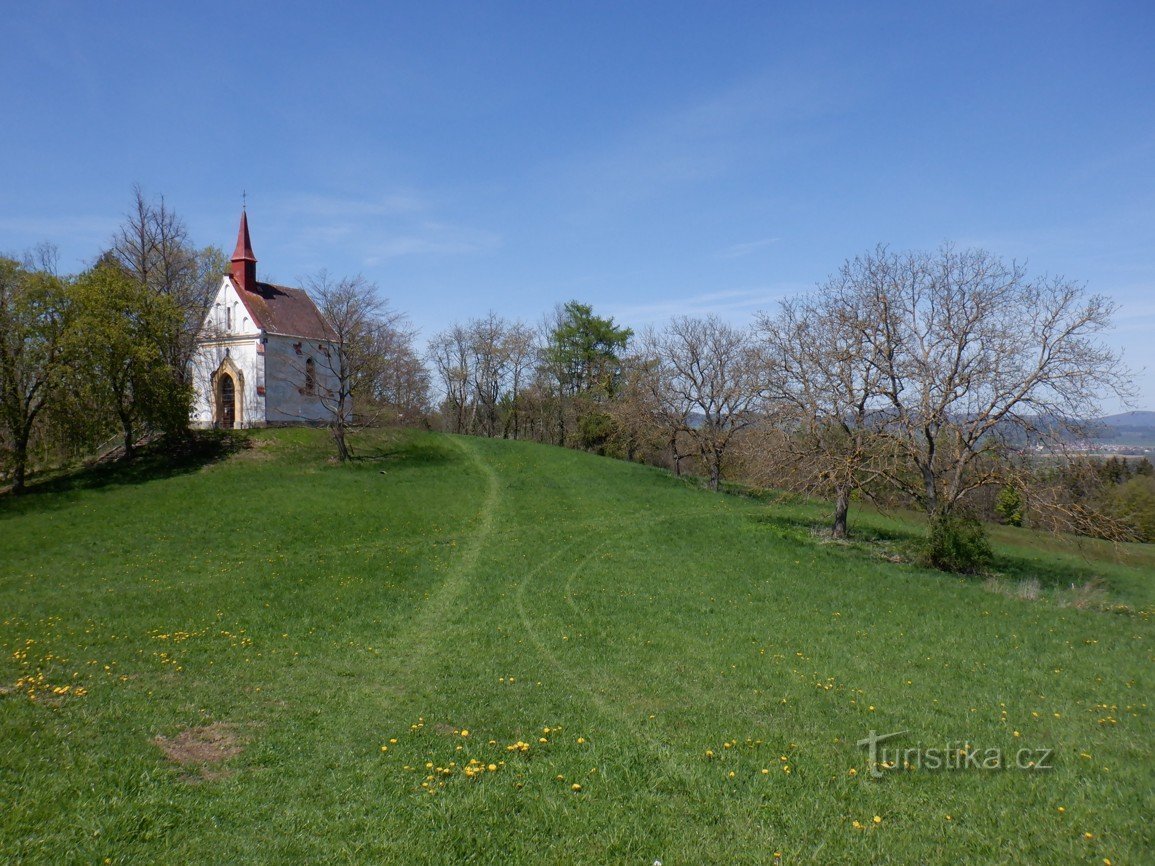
[[1134, 502], [116, 347], [1009, 505], [585, 351], [582, 364], [32, 326]]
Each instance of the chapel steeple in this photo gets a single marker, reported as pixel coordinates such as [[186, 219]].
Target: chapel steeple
[[244, 262]]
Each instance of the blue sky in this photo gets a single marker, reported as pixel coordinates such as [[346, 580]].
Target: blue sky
[[648, 158]]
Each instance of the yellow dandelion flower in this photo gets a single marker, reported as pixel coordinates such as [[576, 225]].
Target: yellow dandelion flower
[[877, 819], [576, 787]]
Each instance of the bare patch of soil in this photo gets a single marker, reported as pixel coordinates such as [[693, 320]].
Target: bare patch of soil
[[200, 750]]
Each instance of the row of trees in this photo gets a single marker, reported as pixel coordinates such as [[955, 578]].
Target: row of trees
[[928, 378]]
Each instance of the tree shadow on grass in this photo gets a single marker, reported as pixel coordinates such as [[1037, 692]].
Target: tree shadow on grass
[[1050, 575], [818, 529], [900, 544], [163, 458], [404, 453]]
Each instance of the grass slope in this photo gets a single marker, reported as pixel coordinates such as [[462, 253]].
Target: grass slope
[[351, 638]]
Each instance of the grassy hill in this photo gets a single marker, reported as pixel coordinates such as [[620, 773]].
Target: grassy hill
[[470, 650]]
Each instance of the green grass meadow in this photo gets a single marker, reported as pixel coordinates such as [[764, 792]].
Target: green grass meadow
[[459, 650]]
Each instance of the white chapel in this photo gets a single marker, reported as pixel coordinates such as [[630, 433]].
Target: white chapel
[[262, 355]]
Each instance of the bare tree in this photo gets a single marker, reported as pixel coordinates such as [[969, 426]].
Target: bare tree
[[974, 359], [153, 248], [706, 384], [490, 369], [826, 387], [362, 327], [402, 388], [449, 352], [483, 365], [521, 352], [638, 418]]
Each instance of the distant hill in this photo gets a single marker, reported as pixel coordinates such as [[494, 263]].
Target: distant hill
[[1125, 428], [1137, 420]]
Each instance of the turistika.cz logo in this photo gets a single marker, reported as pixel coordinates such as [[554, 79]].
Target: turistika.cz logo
[[882, 759]]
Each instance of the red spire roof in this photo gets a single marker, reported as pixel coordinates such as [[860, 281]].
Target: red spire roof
[[244, 262], [244, 250]]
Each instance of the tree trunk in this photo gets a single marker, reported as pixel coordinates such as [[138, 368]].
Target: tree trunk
[[20, 464], [930, 491], [715, 474], [841, 507], [129, 439], [339, 441]]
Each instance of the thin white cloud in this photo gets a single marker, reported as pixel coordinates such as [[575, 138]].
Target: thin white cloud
[[374, 229], [710, 136], [733, 304], [433, 238], [736, 251]]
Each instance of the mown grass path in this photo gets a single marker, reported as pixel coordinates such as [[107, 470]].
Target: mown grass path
[[369, 640], [423, 631]]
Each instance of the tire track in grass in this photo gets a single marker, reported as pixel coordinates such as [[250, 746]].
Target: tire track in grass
[[673, 769], [416, 642]]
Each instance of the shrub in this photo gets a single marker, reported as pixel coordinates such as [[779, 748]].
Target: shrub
[[956, 544], [1134, 502], [1009, 506]]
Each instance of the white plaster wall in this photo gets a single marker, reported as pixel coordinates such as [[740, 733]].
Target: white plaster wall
[[241, 343], [285, 399]]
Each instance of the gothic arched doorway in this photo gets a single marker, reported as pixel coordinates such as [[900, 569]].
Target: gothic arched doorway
[[228, 402]]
